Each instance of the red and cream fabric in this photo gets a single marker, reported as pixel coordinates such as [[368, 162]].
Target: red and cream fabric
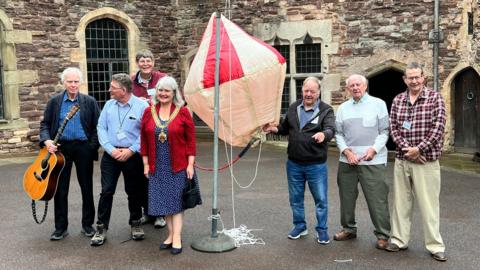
[[251, 77]]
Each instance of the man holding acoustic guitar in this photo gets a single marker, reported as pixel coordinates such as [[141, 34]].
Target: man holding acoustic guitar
[[78, 143]]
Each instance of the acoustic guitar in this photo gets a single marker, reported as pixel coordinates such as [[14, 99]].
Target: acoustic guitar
[[41, 178]]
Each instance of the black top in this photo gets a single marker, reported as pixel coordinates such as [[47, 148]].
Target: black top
[[302, 148]]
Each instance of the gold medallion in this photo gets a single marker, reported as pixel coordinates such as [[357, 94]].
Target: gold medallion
[[162, 137]]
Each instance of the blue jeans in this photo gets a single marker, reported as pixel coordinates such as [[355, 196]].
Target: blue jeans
[[317, 178]]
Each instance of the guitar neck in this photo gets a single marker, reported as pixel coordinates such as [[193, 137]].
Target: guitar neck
[[60, 131]]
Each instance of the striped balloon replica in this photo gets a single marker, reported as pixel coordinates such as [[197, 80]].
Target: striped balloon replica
[[251, 74]]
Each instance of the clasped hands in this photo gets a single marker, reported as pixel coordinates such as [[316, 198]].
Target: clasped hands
[[354, 159], [413, 154], [122, 154]]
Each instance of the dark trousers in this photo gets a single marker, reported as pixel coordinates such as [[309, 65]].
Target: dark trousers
[[132, 171], [80, 154], [144, 195]]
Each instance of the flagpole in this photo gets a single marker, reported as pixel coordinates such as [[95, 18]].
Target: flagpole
[[216, 242]]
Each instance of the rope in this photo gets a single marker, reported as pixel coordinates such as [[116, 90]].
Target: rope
[[241, 236], [252, 142]]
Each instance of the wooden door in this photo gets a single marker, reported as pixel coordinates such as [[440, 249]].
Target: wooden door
[[467, 109]]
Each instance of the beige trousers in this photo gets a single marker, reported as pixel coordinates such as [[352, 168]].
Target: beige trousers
[[420, 181]]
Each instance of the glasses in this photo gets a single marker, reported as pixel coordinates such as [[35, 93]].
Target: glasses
[[112, 87], [416, 78]]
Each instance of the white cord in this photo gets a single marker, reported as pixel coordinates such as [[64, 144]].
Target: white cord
[[241, 236]]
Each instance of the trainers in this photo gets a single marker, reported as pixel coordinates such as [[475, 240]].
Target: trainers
[[323, 238], [100, 236], [137, 231], [298, 232], [88, 231], [58, 235], [144, 219], [159, 222]]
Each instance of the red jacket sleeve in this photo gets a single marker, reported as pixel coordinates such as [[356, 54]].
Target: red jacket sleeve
[[143, 132], [189, 132]]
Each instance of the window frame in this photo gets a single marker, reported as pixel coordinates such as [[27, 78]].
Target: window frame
[[116, 34]]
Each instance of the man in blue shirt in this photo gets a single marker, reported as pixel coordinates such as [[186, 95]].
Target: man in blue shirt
[[119, 134], [79, 145]]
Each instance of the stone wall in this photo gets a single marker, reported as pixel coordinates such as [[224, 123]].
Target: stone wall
[[369, 33]]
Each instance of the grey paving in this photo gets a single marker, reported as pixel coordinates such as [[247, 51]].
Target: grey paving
[[264, 206]]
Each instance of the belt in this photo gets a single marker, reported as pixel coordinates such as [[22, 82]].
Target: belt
[[72, 142]]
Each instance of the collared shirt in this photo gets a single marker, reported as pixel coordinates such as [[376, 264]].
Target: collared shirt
[[73, 130], [119, 124], [421, 124], [142, 81], [361, 125], [304, 115], [361, 100]]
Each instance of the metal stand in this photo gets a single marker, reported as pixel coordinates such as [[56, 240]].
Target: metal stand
[[215, 242]]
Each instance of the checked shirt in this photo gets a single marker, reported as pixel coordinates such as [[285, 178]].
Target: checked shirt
[[427, 117]]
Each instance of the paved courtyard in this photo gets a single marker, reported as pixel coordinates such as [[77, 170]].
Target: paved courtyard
[[263, 206]]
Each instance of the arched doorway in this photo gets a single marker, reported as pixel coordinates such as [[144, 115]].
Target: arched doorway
[[466, 109], [386, 85], [107, 54]]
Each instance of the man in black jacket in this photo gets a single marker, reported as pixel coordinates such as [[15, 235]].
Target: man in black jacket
[[78, 143], [309, 124]]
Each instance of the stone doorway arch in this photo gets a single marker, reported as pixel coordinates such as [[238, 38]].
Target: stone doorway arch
[[466, 108], [386, 85]]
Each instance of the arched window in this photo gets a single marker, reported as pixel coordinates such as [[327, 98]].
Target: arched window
[[107, 54]]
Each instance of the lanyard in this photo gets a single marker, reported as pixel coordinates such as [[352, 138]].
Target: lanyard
[[125, 116]]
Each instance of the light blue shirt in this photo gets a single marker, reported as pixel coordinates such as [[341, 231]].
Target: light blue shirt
[[304, 115], [119, 124], [361, 125]]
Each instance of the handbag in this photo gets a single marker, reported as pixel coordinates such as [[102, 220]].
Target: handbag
[[191, 195]]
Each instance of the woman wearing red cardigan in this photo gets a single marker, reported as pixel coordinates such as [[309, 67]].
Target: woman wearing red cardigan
[[168, 151]]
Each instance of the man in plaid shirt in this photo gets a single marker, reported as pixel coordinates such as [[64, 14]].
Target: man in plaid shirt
[[417, 124]]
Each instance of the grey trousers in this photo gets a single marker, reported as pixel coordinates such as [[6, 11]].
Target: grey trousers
[[372, 178]]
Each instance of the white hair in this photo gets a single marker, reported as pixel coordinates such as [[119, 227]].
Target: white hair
[[168, 82], [69, 71], [361, 77]]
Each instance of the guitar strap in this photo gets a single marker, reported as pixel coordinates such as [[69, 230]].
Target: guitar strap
[[34, 212]]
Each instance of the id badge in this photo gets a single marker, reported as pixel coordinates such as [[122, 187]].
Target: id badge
[[151, 91], [121, 135], [407, 125]]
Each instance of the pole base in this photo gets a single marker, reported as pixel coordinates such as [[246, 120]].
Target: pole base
[[222, 243]]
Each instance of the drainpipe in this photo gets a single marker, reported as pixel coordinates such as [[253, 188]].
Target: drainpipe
[[435, 36]]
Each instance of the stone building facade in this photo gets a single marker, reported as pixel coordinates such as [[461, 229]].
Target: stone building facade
[[327, 38]]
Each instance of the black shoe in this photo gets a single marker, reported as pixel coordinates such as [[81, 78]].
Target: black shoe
[[58, 235], [176, 251], [88, 231], [165, 246]]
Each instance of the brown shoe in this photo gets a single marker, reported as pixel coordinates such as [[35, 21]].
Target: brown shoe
[[344, 235], [392, 247], [381, 244], [439, 256]]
